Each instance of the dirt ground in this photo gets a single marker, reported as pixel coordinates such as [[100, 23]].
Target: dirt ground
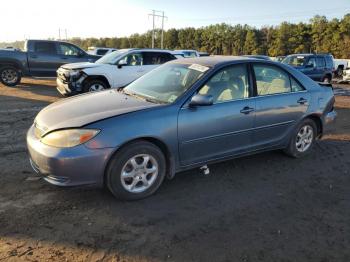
[[265, 207]]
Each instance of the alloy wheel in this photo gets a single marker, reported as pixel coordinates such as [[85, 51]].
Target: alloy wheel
[[9, 76], [304, 138], [139, 173]]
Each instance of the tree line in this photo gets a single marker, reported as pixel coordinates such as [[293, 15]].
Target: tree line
[[318, 35]]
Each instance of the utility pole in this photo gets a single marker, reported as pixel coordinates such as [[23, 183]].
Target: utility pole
[[154, 15], [162, 38]]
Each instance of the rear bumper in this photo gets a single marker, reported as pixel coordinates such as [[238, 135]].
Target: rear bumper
[[74, 166]]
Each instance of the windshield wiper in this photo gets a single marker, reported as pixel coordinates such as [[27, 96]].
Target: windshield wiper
[[144, 98]]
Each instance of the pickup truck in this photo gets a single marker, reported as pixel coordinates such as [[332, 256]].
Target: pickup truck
[[40, 58]]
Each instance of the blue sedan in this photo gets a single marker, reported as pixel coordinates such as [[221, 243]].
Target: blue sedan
[[185, 114]]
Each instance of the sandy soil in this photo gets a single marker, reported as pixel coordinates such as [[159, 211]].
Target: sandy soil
[[265, 207]]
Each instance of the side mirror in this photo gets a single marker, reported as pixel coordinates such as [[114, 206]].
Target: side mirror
[[201, 100], [309, 66], [122, 63]]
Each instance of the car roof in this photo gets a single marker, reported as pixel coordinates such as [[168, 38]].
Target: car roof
[[212, 61]]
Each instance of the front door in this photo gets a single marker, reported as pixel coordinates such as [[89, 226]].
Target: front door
[[133, 64], [223, 129], [70, 54]]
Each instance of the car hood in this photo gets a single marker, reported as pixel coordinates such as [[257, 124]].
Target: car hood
[[87, 108], [74, 66]]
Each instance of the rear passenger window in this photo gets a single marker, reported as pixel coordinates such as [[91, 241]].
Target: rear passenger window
[[45, 48], [228, 84], [157, 58], [271, 80]]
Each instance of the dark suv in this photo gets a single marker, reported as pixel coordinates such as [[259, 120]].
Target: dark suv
[[319, 67]]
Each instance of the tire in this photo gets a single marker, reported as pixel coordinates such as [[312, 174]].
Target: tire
[[94, 85], [132, 185], [327, 79], [298, 151], [10, 76]]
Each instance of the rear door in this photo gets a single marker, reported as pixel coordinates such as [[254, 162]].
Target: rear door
[[280, 102], [321, 68], [42, 58], [223, 129], [311, 68]]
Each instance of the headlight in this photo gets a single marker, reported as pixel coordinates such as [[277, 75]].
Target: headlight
[[69, 137]]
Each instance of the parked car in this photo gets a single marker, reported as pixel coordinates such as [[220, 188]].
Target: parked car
[[40, 58], [100, 51], [189, 53], [203, 54], [114, 70], [177, 54], [318, 67], [181, 115]]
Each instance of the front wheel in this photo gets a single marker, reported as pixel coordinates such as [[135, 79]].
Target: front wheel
[[302, 140], [94, 86], [10, 76], [136, 171]]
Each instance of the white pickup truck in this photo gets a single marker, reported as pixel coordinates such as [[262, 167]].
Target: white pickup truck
[[114, 70]]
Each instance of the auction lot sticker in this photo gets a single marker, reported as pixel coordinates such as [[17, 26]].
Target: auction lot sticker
[[199, 68]]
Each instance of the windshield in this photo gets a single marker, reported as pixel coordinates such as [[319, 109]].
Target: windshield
[[294, 60], [166, 83], [111, 58]]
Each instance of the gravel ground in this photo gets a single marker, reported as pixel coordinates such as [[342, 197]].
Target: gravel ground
[[265, 207]]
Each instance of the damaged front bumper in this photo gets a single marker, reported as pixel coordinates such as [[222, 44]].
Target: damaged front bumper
[[69, 85]]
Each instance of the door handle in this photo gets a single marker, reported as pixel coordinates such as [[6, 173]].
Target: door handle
[[33, 56], [302, 101], [246, 110], [140, 71], [65, 58]]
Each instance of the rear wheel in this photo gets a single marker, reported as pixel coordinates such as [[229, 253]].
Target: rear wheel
[[94, 85], [10, 76], [303, 139], [136, 171]]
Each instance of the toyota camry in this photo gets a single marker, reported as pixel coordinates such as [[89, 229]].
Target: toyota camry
[[185, 114]]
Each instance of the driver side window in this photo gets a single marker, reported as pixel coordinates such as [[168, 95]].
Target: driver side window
[[69, 50], [230, 83], [133, 59]]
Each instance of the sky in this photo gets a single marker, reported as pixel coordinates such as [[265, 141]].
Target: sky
[[42, 19]]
